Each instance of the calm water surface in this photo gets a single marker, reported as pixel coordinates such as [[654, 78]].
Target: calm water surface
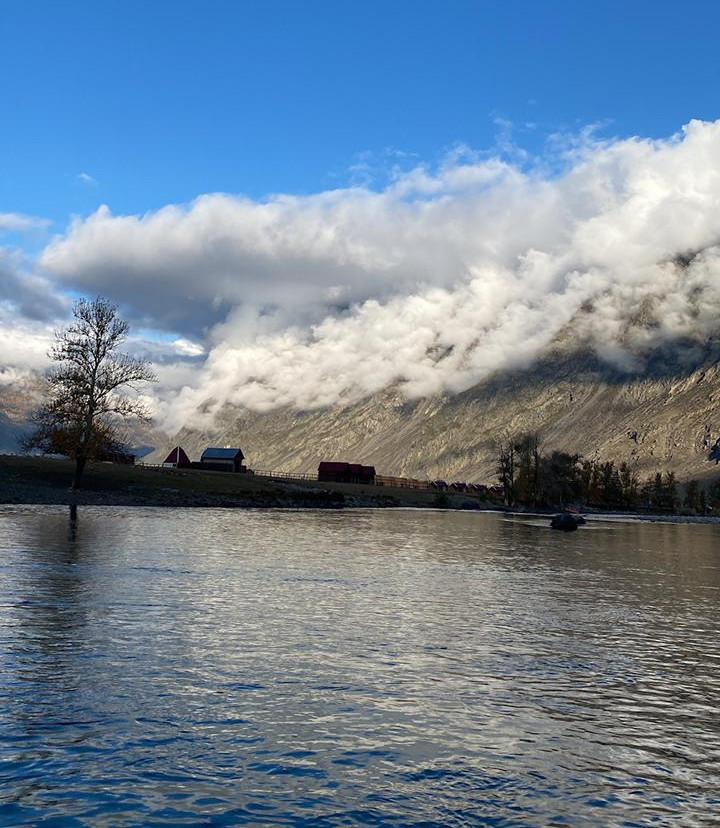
[[209, 667]]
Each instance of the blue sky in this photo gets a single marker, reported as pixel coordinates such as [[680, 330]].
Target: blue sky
[[157, 102], [444, 269]]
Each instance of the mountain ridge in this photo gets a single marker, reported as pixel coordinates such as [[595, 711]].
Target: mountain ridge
[[666, 417]]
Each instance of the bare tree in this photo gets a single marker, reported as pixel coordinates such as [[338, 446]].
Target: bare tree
[[87, 390], [528, 453], [506, 461]]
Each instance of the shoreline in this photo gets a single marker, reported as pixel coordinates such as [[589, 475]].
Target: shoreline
[[38, 481], [597, 517], [626, 517]]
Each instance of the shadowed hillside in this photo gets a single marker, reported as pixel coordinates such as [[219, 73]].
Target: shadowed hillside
[[16, 402], [10, 434], [664, 418]]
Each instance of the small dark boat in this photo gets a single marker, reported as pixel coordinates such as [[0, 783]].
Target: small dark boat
[[565, 522]]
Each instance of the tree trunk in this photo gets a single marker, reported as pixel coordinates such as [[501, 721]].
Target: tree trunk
[[79, 469]]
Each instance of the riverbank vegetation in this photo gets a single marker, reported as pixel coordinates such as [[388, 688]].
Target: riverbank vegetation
[[532, 478], [538, 481]]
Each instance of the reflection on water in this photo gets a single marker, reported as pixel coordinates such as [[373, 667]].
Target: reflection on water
[[170, 667]]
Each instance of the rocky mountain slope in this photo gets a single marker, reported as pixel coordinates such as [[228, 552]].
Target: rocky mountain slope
[[665, 417], [16, 402]]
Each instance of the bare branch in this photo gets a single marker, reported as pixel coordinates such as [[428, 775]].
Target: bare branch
[[88, 387]]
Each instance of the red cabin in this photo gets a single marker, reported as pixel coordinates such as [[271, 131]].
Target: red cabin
[[329, 472], [177, 459]]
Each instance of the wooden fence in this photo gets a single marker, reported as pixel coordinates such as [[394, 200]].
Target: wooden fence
[[281, 475], [380, 479], [402, 482]]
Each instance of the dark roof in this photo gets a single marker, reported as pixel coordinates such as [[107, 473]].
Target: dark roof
[[178, 456], [222, 454], [349, 468], [332, 467]]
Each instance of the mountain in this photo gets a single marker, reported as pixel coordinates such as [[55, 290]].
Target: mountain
[[18, 400], [10, 434], [664, 417]]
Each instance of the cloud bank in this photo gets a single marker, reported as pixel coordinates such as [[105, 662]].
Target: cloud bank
[[441, 278]]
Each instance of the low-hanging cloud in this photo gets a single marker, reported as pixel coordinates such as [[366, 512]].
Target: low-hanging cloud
[[431, 284]]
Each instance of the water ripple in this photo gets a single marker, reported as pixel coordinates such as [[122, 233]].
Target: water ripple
[[218, 667]]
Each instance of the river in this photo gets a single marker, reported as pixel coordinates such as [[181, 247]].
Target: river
[[388, 667]]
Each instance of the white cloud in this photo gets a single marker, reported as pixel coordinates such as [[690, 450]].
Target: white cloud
[[295, 259], [23, 347], [185, 347], [27, 294], [20, 223], [432, 283], [86, 178]]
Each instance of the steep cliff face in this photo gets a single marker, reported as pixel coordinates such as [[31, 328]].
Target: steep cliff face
[[665, 418]]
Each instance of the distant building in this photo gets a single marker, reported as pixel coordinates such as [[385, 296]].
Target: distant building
[[222, 459], [177, 459], [346, 473]]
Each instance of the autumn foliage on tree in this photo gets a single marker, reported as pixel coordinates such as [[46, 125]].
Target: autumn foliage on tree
[[90, 389], [530, 477]]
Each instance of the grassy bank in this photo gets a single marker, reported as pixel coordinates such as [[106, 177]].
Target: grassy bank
[[43, 480]]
